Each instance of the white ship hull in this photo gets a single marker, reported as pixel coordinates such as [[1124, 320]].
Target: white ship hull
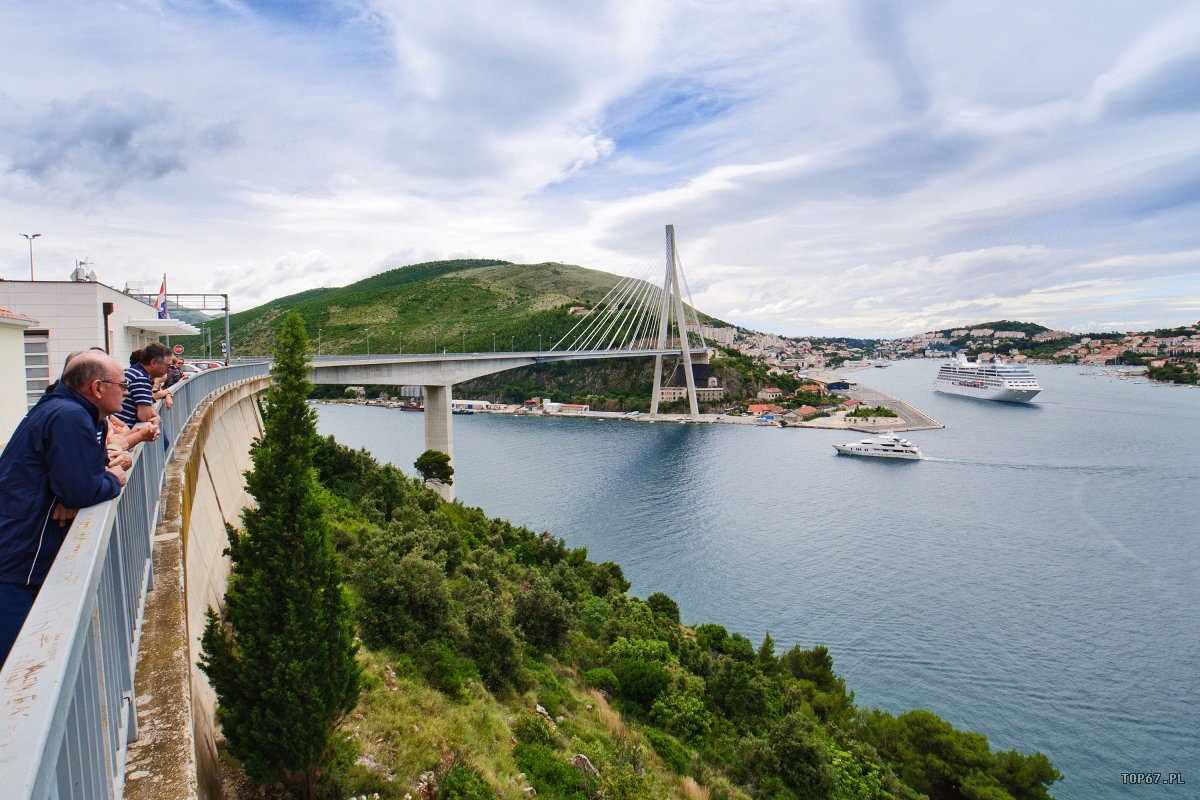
[[887, 445], [995, 380], [852, 450], [987, 392]]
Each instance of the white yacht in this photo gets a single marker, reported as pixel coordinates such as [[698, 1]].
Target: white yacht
[[887, 445], [997, 380]]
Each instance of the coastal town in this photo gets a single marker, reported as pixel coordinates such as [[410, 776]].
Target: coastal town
[[1165, 349]]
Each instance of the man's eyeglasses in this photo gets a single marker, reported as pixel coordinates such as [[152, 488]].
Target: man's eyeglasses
[[123, 384]]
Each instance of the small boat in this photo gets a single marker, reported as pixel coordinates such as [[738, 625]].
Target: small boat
[[886, 445]]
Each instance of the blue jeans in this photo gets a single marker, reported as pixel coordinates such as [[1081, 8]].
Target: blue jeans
[[15, 602]]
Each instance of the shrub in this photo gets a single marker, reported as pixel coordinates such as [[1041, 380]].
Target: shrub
[[711, 637], [461, 782], [608, 579], [491, 639], [594, 614], [548, 774], [642, 649], [663, 606], [542, 614], [805, 763], [405, 601], [532, 728], [641, 681], [673, 754], [682, 714], [601, 678], [445, 668]]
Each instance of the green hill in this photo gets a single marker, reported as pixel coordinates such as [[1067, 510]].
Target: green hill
[[471, 304]]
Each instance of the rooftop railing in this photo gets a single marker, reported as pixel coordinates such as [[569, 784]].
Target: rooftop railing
[[67, 704]]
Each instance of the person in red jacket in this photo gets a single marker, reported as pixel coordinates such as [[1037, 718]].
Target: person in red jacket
[[55, 463]]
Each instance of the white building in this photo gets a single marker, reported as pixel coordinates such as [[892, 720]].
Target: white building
[[13, 370], [720, 335], [77, 315]]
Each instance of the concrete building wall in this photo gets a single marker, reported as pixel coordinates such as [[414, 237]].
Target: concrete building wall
[[12, 374], [73, 313]]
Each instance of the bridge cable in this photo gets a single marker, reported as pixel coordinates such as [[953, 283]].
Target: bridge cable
[[588, 318], [691, 305], [601, 313], [630, 337], [619, 313]]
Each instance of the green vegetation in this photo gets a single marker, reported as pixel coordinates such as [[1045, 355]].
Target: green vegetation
[[282, 662], [1181, 372], [434, 465], [864, 412], [470, 623]]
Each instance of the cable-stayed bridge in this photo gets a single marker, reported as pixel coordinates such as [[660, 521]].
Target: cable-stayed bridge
[[638, 318]]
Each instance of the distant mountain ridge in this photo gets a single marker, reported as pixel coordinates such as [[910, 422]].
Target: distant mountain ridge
[[466, 304]]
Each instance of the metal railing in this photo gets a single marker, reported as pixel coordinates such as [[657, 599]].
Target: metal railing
[[67, 705]]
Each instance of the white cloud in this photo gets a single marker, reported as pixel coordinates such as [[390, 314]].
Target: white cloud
[[853, 167]]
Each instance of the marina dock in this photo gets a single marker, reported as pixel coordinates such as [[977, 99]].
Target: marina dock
[[909, 418]]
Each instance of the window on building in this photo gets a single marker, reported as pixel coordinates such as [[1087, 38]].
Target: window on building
[[37, 365]]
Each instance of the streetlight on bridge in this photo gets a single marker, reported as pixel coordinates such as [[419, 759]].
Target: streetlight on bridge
[[464, 342], [30, 237]]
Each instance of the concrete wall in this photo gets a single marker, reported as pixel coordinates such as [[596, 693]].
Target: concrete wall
[[175, 756], [73, 313], [12, 375]]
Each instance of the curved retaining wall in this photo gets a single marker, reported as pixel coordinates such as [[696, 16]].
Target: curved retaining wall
[[176, 755]]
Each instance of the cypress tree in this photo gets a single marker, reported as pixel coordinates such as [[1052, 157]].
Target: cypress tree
[[282, 663]]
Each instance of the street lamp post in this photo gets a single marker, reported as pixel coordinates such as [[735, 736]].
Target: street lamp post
[[318, 342], [30, 237], [464, 342], [539, 343], [493, 342]]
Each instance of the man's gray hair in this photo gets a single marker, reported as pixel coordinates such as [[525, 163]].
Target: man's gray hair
[[84, 368]]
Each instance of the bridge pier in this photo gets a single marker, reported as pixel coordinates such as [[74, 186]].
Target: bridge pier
[[439, 433]]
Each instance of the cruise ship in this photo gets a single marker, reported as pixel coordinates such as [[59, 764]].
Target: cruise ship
[[1011, 383]]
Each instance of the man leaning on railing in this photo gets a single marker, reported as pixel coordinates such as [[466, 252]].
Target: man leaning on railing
[[55, 463]]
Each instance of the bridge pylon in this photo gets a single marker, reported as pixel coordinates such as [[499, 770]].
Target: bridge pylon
[[672, 304]]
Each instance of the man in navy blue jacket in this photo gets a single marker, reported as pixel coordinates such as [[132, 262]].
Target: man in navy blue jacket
[[54, 463]]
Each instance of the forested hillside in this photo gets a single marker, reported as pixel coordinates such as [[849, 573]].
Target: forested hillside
[[470, 624]]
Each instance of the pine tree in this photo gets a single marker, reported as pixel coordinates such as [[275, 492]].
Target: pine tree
[[283, 664]]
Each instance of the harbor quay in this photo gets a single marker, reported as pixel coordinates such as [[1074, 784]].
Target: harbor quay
[[908, 418]]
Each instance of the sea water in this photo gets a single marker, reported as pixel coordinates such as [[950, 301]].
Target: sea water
[[1037, 579]]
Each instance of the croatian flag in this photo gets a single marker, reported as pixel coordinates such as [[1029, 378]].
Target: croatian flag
[[160, 302]]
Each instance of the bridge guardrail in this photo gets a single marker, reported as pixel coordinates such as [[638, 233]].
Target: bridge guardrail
[[67, 704]]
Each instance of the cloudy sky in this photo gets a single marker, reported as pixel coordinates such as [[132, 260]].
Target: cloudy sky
[[861, 167]]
